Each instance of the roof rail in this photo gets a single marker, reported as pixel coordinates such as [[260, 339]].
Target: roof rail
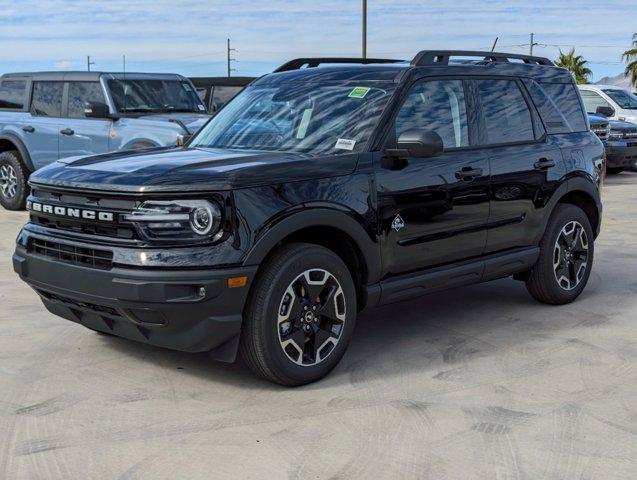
[[441, 57], [298, 63]]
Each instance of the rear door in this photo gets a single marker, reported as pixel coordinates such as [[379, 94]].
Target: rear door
[[46, 110], [80, 135], [434, 210], [526, 165]]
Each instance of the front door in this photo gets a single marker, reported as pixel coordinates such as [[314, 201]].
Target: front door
[[434, 211], [81, 136]]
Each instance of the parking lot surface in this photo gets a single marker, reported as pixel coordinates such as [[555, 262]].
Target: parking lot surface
[[479, 382]]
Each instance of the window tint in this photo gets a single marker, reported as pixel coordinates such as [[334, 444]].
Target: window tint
[[592, 100], [506, 115], [222, 95], [622, 98], [12, 93], [47, 98], [564, 95], [80, 93], [437, 105]]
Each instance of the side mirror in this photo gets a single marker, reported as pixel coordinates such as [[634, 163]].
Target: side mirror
[[96, 110], [606, 111], [418, 143]]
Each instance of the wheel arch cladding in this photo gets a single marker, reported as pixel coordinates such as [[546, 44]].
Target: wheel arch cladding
[[584, 201], [10, 142], [333, 230]]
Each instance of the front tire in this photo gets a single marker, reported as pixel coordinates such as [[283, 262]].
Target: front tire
[[13, 181], [300, 315], [566, 257]]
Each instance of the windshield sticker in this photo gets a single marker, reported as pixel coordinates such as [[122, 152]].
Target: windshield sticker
[[359, 92], [186, 87], [201, 108], [345, 144], [305, 122]]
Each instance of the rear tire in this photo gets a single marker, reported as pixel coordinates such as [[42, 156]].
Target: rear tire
[[615, 171], [13, 181], [566, 257], [300, 315]]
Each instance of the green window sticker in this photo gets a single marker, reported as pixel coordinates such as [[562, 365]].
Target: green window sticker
[[359, 92]]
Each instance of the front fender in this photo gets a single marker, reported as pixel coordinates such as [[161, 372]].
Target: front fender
[[14, 138], [279, 228]]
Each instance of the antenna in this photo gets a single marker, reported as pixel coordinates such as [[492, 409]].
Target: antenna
[[124, 87], [495, 43], [89, 63]]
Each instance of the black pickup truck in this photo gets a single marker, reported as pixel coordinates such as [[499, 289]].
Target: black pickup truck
[[326, 187]]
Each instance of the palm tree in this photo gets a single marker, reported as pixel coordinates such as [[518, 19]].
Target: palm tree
[[574, 64], [630, 57]]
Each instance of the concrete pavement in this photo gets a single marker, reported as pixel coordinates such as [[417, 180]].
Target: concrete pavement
[[479, 382]]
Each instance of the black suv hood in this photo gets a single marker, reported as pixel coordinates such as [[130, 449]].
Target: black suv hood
[[189, 169]]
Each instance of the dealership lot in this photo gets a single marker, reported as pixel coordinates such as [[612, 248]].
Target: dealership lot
[[479, 382]]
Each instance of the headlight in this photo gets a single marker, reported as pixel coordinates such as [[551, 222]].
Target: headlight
[[177, 221]]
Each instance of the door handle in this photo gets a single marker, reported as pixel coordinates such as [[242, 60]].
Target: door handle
[[468, 173], [67, 131], [28, 129], [544, 164]]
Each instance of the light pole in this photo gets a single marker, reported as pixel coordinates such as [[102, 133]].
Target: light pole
[[364, 29]]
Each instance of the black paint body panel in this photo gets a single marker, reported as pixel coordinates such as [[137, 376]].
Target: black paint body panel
[[454, 231]]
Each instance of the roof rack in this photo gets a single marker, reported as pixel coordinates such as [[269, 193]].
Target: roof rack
[[299, 63], [442, 57]]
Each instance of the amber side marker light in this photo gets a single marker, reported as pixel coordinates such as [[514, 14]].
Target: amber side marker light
[[237, 282]]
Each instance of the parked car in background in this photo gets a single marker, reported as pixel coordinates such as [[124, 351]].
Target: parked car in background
[[620, 142], [217, 91], [613, 102], [51, 115], [326, 187]]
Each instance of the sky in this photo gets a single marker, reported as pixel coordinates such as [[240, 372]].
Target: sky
[[190, 37]]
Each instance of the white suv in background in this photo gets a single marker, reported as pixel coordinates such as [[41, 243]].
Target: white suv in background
[[613, 102]]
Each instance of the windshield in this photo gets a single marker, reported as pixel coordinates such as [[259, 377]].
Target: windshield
[[308, 117], [155, 96], [622, 98]]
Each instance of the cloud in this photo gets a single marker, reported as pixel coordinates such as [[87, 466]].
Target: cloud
[[167, 32], [64, 65]]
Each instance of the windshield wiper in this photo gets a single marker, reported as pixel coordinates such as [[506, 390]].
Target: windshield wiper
[[140, 110]]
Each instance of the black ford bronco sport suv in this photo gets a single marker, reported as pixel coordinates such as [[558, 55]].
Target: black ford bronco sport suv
[[323, 188]]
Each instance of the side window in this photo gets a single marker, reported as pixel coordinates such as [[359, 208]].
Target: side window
[[592, 100], [47, 98], [80, 93], [437, 105], [506, 114], [222, 95], [564, 95], [12, 94]]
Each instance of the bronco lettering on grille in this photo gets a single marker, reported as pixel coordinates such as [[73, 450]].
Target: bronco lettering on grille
[[70, 212]]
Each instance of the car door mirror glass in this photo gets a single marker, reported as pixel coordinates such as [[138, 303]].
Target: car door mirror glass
[[96, 110], [606, 111], [419, 143]]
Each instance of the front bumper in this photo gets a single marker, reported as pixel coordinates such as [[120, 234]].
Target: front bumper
[[166, 308], [621, 154]]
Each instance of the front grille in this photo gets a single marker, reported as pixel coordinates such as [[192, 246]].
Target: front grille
[[88, 257], [600, 130], [61, 202]]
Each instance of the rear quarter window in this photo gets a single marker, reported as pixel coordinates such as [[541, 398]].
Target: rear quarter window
[[559, 106], [13, 94]]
